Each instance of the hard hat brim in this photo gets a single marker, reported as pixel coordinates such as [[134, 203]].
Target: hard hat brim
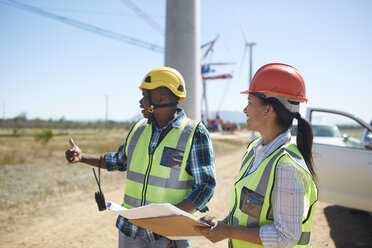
[[152, 87], [299, 98]]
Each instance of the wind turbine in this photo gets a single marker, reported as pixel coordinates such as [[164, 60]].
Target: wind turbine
[[250, 45]]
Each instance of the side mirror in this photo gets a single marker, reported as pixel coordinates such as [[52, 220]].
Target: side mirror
[[368, 145], [367, 140], [345, 137]]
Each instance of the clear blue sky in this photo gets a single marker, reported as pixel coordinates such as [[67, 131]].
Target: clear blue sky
[[52, 70]]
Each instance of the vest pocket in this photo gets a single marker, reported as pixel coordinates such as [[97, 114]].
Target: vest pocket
[[172, 157], [251, 202]]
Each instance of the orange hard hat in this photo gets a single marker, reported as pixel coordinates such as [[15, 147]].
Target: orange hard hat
[[279, 79]]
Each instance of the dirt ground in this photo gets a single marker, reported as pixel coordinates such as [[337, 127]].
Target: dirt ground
[[51, 204]]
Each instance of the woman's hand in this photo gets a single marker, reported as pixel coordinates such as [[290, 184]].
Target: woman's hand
[[219, 231]]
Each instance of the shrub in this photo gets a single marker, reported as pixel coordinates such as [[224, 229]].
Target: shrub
[[43, 136], [16, 131]]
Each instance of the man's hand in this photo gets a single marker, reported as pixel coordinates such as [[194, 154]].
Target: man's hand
[[73, 155]]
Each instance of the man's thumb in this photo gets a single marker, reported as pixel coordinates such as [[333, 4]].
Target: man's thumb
[[71, 141]]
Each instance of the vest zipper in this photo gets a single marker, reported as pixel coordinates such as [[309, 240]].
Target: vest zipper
[[234, 208], [146, 180], [230, 222], [145, 183]]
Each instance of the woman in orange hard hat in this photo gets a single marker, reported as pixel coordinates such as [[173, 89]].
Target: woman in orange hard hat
[[274, 194]]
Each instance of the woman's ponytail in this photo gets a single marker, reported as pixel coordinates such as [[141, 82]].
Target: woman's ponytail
[[304, 142]]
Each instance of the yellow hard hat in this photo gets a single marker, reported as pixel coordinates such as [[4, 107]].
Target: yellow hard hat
[[165, 77]]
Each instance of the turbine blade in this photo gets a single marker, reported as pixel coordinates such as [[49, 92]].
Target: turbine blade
[[242, 62], [243, 29]]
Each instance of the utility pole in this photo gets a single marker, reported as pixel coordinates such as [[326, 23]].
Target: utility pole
[[182, 49], [3, 110], [106, 100]]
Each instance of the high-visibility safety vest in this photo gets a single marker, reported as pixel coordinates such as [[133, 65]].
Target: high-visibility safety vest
[[159, 177], [252, 198]]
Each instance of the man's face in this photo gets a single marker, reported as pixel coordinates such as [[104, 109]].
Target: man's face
[[144, 103], [156, 97]]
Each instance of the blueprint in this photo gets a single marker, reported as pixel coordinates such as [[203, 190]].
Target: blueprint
[[164, 219]]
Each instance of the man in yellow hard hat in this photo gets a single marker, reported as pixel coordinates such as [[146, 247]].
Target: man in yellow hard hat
[[167, 156]]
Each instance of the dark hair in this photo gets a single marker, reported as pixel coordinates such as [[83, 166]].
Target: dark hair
[[304, 139]]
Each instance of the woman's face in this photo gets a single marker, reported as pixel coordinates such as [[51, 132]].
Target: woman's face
[[255, 112]]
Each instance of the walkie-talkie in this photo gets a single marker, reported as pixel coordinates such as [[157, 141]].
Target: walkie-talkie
[[100, 198]]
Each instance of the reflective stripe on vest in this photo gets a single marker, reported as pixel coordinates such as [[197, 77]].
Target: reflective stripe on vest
[[262, 189], [133, 142], [304, 240], [174, 180]]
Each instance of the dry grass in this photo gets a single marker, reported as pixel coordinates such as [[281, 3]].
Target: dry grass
[[23, 148], [31, 171], [221, 146]]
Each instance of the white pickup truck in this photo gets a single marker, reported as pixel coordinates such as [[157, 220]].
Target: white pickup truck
[[343, 161]]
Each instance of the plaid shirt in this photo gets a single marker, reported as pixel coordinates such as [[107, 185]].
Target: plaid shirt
[[200, 165]]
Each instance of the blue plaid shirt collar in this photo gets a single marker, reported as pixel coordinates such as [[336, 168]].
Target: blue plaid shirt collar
[[179, 116]]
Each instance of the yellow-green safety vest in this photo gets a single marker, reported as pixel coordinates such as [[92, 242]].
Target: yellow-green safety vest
[[160, 177], [261, 182]]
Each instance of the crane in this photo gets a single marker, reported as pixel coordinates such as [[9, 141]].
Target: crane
[[206, 69], [85, 26], [144, 16]]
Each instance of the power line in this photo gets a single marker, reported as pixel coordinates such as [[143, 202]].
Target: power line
[[85, 26]]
